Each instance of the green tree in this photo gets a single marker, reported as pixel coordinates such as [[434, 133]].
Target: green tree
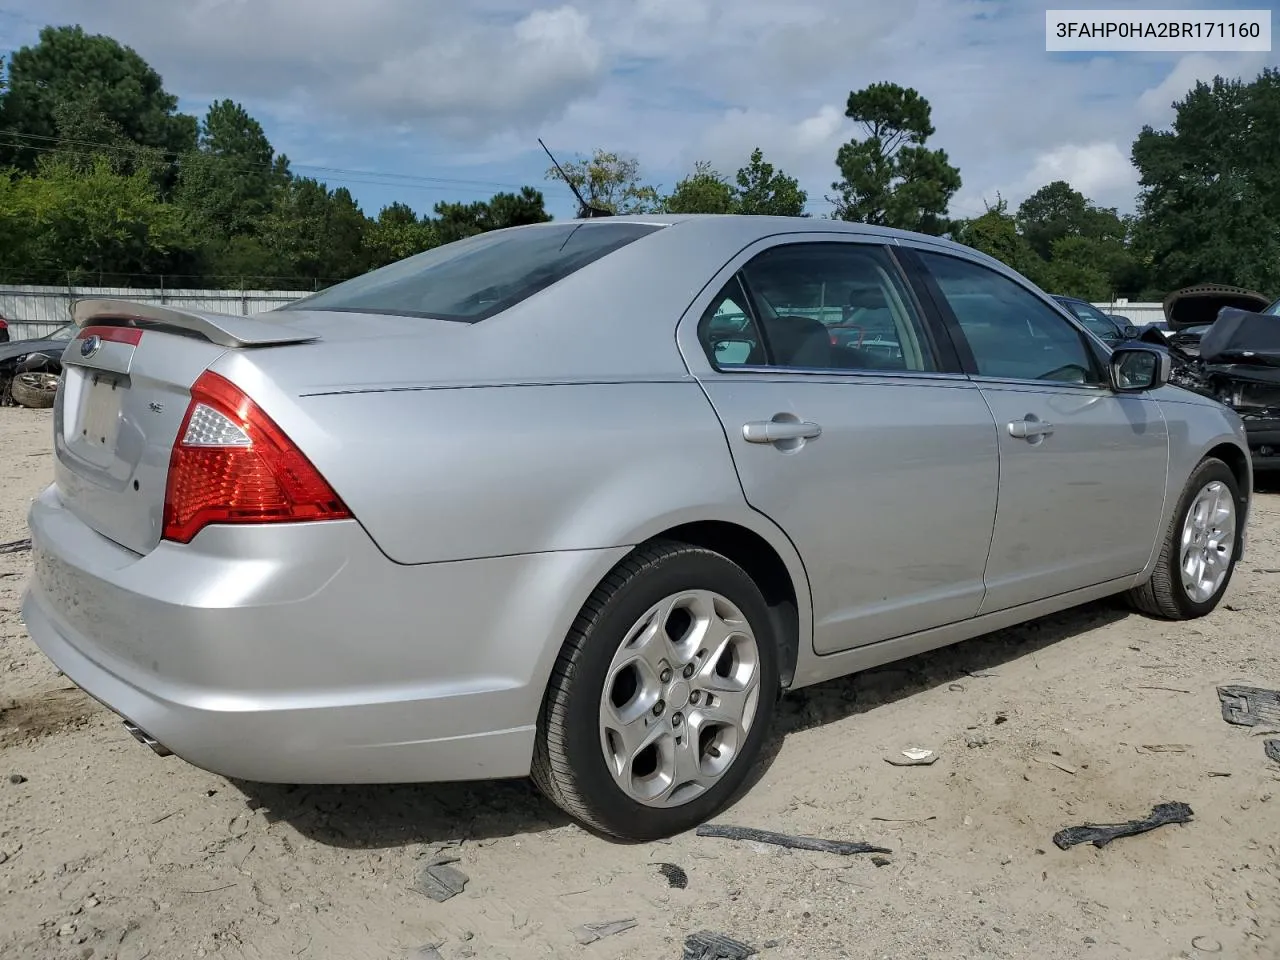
[[69, 65], [996, 234], [611, 182], [890, 178], [1209, 196], [703, 191], [759, 190], [765, 191], [397, 233], [230, 181], [313, 234], [89, 225], [458, 220], [1087, 247], [1057, 210]]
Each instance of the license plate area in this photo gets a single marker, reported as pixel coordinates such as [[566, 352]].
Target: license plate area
[[96, 400]]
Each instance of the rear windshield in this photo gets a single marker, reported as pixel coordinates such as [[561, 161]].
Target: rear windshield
[[469, 280]]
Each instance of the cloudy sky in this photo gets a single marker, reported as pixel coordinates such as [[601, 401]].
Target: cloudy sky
[[429, 100]]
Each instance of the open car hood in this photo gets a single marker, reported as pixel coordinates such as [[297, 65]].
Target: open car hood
[[1200, 304]]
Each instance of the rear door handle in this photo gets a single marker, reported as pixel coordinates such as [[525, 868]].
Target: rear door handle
[[1029, 429], [772, 431]]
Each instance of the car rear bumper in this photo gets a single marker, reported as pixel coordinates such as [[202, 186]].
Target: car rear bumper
[[299, 653]]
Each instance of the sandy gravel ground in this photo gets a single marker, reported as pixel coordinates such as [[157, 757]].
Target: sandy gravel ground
[[107, 851]]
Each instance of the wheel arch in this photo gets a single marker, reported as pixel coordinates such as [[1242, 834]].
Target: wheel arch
[[1241, 467], [1238, 461], [766, 567]]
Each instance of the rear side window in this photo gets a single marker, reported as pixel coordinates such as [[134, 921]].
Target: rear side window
[[469, 280]]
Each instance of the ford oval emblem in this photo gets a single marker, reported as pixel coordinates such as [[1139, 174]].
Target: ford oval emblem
[[90, 346]]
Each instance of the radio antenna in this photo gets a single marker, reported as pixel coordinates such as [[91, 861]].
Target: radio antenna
[[585, 210]]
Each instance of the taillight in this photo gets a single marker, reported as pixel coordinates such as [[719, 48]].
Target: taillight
[[232, 464]]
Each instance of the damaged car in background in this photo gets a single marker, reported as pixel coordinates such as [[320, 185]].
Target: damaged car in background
[[30, 369], [1235, 358]]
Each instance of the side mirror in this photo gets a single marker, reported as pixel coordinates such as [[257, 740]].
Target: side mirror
[[1137, 369], [733, 353], [1129, 332]]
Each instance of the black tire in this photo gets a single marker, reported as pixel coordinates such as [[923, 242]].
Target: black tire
[[35, 390], [568, 763], [1163, 595]]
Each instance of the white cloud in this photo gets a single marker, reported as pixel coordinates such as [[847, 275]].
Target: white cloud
[[1099, 170], [1156, 103], [511, 77], [804, 147]]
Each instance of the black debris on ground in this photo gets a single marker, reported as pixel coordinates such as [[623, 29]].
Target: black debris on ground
[[1249, 706], [591, 932], [439, 881], [705, 945], [1272, 749], [1100, 834], [676, 877], [842, 847], [17, 778], [15, 546]]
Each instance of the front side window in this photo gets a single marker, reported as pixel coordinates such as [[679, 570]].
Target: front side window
[[1011, 332], [836, 306], [469, 280]]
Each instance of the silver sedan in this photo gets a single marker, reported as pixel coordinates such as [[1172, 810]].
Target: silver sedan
[[581, 500]]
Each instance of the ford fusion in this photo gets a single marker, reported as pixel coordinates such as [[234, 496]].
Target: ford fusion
[[582, 500]]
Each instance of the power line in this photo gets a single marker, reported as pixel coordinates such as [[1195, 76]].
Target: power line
[[421, 181]]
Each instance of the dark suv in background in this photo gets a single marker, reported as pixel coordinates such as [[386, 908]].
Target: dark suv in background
[[1111, 330]]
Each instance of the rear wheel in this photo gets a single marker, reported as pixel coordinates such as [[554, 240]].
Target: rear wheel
[[662, 695], [1198, 555]]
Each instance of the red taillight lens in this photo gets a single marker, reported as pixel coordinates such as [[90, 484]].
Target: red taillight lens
[[232, 464]]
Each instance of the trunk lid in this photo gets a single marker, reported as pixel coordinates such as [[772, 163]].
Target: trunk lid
[[126, 383]]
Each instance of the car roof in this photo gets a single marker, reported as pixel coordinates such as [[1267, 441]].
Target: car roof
[[748, 228], [760, 226]]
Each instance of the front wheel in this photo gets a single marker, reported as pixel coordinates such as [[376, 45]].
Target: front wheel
[[661, 697], [1198, 555]]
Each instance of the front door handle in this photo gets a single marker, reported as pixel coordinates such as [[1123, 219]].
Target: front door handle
[[1030, 428], [773, 431]]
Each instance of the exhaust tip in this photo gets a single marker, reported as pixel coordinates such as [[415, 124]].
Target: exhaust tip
[[144, 738]]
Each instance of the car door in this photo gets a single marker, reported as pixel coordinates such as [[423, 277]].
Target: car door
[[1082, 468], [878, 461]]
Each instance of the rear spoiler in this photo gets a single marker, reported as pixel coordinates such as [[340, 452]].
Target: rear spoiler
[[224, 329]]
